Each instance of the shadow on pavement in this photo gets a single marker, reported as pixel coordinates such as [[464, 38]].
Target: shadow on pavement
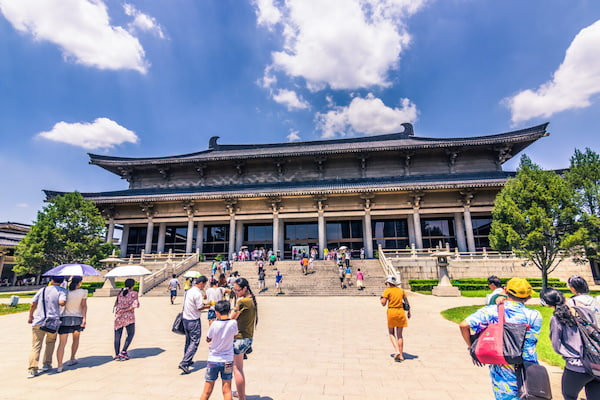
[[144, 353], [408, 356], [91, 361], [258, 397]]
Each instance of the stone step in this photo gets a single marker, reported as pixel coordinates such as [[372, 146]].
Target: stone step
[[323, 280]]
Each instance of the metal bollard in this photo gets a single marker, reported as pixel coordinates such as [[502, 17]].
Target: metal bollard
[[14, 300]]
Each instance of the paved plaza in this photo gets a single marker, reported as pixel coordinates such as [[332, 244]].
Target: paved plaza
[[309, 348]]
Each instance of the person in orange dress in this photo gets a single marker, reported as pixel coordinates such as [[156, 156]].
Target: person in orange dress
[[397, 318]]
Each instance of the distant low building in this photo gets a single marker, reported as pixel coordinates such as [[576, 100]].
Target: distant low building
[[396, 190], [11, 234]]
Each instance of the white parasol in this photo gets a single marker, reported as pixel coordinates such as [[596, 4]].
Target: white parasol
[[127, 270]]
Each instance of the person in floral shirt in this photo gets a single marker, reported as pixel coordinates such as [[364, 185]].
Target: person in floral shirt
[[125, 304], [504, 378]]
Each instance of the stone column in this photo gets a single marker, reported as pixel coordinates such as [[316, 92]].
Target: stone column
[[188, 206], [190, 235], [239, 234], [231, 234], [367, 199], [417, 198], [162, 236], [275, 232], [124, 240], [322, 234], [460, 232], [149, 211], [111, 231], [467, 197], [230, 205], [200, 236], [149, 231]]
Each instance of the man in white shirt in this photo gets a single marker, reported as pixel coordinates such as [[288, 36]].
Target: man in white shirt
[[51, 298], [194, 302]]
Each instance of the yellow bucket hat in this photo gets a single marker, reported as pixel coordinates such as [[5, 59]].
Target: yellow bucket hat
[[519, 287]]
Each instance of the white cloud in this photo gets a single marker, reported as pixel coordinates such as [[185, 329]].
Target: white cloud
[[367, 115], [142, 22], [22, 205], [290, 99], [343, 44], [266, 13], [103, 133], [293, 136], [575, 81], [81, 28]]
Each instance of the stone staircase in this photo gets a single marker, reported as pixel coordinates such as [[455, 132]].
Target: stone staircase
[[323, 281]]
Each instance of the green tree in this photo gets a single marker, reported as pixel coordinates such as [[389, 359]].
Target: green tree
[[584, 177], [68, 230], [534, 215]]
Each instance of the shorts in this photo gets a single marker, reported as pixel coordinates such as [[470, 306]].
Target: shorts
[[213, 369], [212, 314], [173, 293], [241, 346]]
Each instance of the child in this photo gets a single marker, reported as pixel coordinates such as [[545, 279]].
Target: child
[[278, 279], [220, 351]]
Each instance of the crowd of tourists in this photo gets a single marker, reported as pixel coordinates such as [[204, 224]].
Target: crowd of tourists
[[232, 316]]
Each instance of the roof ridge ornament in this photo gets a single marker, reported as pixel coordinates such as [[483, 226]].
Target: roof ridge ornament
[[212, 143], [408, 130]]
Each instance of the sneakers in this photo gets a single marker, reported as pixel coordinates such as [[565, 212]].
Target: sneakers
[[72, 362], [59, 370], [184, 368], [31, 374], [46, 368], [124, 356], [117, 358]]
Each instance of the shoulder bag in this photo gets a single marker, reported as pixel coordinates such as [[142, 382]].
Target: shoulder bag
[[178, 323], [50, 324], [500, 343]]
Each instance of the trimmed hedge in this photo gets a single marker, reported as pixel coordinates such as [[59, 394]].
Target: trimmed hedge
[[419, 285]]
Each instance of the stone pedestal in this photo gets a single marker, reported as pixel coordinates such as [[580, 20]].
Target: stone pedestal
[[108, 289], [445, 288]]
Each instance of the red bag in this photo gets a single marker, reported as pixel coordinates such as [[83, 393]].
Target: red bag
[[500, 343]]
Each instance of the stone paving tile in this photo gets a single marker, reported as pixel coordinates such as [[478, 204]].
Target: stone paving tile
[[305, 348]]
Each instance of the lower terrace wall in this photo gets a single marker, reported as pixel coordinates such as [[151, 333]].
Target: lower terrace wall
[[425, 268]]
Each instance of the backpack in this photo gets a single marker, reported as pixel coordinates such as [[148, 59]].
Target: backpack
[[590, 338], [533, 382]]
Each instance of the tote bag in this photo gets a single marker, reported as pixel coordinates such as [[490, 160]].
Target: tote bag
[[500, 343]]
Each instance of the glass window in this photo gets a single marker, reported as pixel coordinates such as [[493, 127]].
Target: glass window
[[438, 232], [390, 234]]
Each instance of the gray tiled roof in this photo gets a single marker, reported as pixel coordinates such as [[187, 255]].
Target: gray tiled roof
[[396, 141], [423, 182]]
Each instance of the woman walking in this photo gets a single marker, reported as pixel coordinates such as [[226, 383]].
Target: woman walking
[[566, 341], [73, 320], [246, 314], [397, 318], [581, 297], [125, 304]]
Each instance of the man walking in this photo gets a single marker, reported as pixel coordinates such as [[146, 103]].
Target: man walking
[[193, 304], [52, 298], [173, 286]]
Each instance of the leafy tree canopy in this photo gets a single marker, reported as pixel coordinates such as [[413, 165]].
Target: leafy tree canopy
[[584, 178], [68, 230], [534, 215]]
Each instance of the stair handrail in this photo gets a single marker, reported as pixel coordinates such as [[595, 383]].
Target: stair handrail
[[158, 277], [387, 265]]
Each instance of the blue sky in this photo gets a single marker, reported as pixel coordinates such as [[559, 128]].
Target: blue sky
[[156, 78]]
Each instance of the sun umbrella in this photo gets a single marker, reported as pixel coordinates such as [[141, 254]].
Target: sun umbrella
[[127, 270], [72, 270], [111, 260], [342, 248], [192, 274]]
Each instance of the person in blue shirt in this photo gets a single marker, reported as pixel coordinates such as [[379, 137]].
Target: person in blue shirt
[[504, 378]]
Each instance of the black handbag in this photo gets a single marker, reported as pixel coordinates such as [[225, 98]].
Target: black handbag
[[50, 324], [178, 323], [533, 382]]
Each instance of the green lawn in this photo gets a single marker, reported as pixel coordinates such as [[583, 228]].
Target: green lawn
[[544, 347], [23, 295], [6, 309]]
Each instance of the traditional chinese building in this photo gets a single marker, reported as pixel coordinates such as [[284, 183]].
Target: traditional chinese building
[[11, 233], [396, 190]]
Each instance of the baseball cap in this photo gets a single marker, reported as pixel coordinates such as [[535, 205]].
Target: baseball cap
[[519, 287]]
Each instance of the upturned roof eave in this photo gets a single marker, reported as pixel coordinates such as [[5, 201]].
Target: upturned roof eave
[[231, 152]]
